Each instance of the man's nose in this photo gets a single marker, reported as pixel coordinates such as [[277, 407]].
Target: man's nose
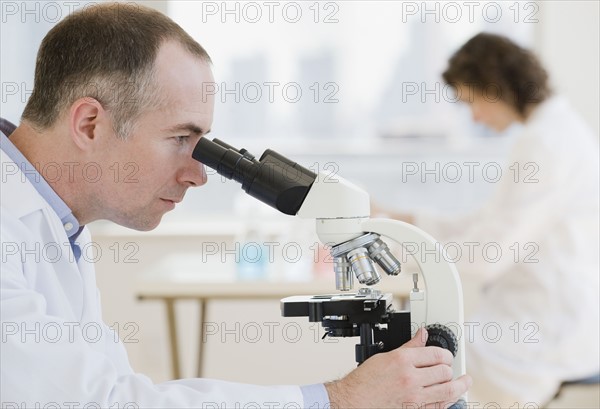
[[194, 173]]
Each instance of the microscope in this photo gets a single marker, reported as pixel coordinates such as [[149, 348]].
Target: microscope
[[341, 211]]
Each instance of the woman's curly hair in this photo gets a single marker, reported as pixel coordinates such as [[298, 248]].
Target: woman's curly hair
[[489, 60]]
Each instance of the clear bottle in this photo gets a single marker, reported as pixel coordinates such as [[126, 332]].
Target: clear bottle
[[252, 256]]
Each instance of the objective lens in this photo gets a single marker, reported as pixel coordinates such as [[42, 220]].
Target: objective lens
[[363, 267], [380, 252], [344, 281]]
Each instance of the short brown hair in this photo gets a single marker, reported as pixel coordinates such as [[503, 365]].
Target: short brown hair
[[106, 52], [489, 60]]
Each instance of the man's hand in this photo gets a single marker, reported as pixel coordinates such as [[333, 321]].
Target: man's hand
[[412, 376]]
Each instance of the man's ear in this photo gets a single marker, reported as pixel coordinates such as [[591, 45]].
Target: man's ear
[[88, 122]]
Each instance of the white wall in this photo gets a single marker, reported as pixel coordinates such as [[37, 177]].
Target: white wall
[[568, 43]]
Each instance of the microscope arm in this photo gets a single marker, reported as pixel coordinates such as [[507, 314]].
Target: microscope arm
[[341, 211], [442, 301]]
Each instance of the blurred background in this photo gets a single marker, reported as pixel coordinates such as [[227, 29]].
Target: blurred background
[[351, 88]]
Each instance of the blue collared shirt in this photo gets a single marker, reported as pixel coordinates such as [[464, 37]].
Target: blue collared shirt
[[69, 222]]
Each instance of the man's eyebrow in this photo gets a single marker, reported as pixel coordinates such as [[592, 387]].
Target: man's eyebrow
[[188, 126]]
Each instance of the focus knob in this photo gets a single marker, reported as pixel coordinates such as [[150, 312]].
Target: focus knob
[[442, 336]]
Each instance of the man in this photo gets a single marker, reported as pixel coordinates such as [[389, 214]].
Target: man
[[116, 85], [539, 293]]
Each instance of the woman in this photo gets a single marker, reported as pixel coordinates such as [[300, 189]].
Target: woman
[[536, 324]]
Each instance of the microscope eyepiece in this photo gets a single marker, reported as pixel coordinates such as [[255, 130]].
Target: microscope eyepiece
[[273, 179], [226, 160]]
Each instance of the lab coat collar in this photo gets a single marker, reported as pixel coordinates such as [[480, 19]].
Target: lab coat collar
[[18, 194], [69, 222], [21, 200]]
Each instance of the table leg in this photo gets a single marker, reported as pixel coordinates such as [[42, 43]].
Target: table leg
[[202, 334], [172, 323]]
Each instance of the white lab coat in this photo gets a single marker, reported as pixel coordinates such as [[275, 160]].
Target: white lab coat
[[545, 298], [55, 349]]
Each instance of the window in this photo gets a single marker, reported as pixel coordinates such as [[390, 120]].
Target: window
[[339, 71]]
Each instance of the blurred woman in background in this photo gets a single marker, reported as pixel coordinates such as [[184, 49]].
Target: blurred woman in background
[[536, 323]]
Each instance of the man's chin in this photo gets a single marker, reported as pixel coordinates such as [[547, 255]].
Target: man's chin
[[147, 224]]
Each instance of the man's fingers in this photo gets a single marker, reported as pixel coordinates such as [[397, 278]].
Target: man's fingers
[[435, 375], [430, 356], [448, 392], [418, 340]]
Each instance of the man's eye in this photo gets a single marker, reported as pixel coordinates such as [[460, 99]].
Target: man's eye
[[181, 139]]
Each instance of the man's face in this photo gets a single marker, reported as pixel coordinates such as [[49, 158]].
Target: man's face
[[152, 169], [487, 108]]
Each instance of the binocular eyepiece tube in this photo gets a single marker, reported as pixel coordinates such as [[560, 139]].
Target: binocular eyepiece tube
[[272, 179]]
